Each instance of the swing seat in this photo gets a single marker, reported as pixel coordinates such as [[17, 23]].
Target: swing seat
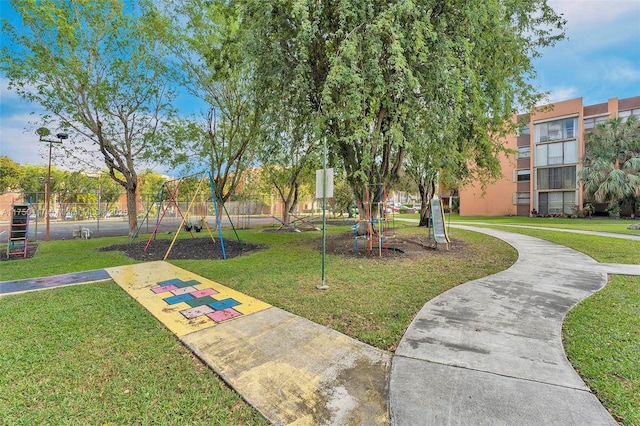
[[188, 228], [197, 228]]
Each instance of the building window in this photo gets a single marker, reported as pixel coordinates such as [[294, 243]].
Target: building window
[[592, 122], [522, 198], [524, 152], [555, 130], [524, 175], [627, 113], [556, 153], [556, 178], [558, 202], [525, 130]]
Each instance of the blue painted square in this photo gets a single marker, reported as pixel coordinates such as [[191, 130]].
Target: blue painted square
[[177, 299], [183, 284], [224, 304], [173, 281]]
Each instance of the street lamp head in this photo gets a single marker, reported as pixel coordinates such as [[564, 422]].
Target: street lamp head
[[43, 132], [62, 136]]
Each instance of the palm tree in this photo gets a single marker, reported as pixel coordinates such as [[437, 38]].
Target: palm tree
[[611, 165]]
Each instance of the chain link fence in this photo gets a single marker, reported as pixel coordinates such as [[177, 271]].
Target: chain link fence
[[89, 210]]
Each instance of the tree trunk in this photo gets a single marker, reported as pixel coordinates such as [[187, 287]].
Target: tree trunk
[[287, 204], [427, 189], [294, 203], [132, 208]]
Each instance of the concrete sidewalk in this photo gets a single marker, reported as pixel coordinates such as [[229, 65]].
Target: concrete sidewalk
[[290, 369], [43, 283], [490, 351]]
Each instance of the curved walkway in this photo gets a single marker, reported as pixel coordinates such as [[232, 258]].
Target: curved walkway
[[490, 351]]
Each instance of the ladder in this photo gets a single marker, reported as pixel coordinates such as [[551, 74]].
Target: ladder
[[18, 230]]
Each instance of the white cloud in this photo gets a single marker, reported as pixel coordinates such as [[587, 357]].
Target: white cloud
[[620, 71], [562, 94], [589, 12], [596, 24]]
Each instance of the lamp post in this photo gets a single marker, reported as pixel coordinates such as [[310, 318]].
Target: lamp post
[[43, 132]]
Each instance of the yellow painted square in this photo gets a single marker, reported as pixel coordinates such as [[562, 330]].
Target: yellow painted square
[[139, 279]]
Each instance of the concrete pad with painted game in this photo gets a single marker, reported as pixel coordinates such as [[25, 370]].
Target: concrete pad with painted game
[[290, 369], [184, 302]]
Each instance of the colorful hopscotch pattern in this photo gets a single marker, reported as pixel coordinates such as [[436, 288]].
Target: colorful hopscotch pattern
[[184, 302], [201, 302]]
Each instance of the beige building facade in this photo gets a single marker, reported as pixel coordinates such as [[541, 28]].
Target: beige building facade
[[542, 176]]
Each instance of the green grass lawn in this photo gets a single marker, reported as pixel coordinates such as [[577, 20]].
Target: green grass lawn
[[602, 340], [601, 224], [61, 257], [91, 355], [372, 300], [602, 249]]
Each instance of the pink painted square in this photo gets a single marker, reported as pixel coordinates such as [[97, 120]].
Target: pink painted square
[[223, 315], [184, 290], [163, 289], [196, 312], [203, 293]]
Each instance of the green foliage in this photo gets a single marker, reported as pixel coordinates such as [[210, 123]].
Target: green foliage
[[380, 79], [342, 195], [611, 171], [98, 72], [206, 43], [68, 188], [11, 174], [150, 182]]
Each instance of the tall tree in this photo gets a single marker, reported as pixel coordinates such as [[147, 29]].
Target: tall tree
[[11, 174], [95, 68], [287, 177], [205, 38], [288, 151], [379, 76], [611, 164]]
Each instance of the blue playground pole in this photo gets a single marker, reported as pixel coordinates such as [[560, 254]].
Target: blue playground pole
[[214, 197]]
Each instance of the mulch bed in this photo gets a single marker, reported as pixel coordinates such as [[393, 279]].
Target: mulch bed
[[184, 248], [31, 251], [404, 245]]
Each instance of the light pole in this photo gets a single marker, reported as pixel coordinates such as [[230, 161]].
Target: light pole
[[43, 132]]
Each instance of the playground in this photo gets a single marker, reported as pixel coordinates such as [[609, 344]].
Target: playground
[[410, 243]]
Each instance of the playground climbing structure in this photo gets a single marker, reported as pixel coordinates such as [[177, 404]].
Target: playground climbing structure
[[372, 224], [18, 237]]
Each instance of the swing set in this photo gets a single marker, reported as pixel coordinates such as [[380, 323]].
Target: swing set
[[170, 191]]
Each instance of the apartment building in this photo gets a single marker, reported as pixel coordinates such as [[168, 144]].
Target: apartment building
[[542, 175]]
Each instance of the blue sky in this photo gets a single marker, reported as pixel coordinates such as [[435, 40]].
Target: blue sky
[[600, 59]]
